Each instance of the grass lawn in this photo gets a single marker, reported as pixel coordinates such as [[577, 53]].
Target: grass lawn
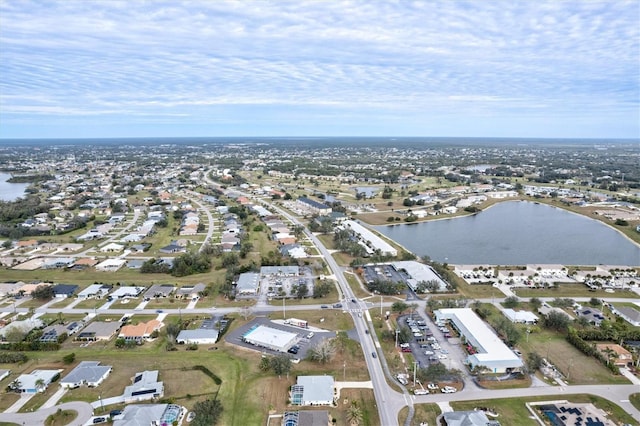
[[570, 290], [476, 291], [61, 418], [246, 392], [512, 411], [525, 382], [574, 365], [356, 287], [635, 400], [424, 413]]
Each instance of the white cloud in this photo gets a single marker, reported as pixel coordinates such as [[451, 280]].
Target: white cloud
[[143, 58]]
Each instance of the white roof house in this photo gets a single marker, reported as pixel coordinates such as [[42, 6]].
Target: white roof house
[[127, 291], [491, 352], [89, 373], [248, 283], [145, 386], [110, 265], [270, 338], [520, 317], [112, 247], [200, 336], [313, 390], [94, 290], [30, 383], [370, 238]]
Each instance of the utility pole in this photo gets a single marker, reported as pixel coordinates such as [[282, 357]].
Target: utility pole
[[397, 332], [415, 364], [284, 309], [380, 306]]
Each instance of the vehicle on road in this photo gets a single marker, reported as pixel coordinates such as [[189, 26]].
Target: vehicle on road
[[420, 392], [99, 420], [366, 330], [448, 389], [337, 305], [159, 311], [310, 335], [353, 300], [373, 354], [324, 307]]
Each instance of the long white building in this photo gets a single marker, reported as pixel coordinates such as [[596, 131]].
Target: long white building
[[372, 240], [491, 352]]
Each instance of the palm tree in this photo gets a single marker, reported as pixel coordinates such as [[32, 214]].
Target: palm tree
[[40, 385], [354, 414]]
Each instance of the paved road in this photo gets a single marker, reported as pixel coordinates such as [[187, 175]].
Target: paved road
[[205, 209], [37, 418]]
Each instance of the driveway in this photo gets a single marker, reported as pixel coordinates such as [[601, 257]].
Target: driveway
[[37, 418]]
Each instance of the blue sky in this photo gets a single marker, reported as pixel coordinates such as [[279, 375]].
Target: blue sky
[[385, 68]]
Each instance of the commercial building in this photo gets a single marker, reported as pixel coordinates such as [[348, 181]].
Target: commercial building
[[270, 338], [488, 350], [248, 284], [370, 239]]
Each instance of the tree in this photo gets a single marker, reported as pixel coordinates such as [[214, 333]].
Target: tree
[[354, 413], [323, 352], [399, 307], [40, 384], [595, 302], [69, 358], [535, 303], [280, 364], [207, 412], [321, 289], [534, 362], [301, 291], [511, 302], [556, 321]]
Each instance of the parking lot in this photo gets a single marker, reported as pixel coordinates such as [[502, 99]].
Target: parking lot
[[307, 337], [432, 343]]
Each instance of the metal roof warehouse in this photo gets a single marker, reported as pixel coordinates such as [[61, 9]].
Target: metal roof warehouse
[[270, 338], [491, 353]]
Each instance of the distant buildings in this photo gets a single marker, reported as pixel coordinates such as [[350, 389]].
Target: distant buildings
[[371, 241]]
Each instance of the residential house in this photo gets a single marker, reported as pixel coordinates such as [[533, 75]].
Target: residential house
[[112, 247], [306, 418], [89, 373], [616, 353], [149, 414], [99, 330], [173, 247], [145, 386], [141, 331], [96, 291], [65, 290], [593, 315], [190, 291], [110, 265], [37, 381], [159, 290], [468, 418], [629, 314], [313, 390]]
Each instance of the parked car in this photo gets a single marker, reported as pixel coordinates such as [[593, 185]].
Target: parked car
[[448, 389], [442, 356], [420, 392], [428, 352], [444, 351], [191, 416], [432, 386]]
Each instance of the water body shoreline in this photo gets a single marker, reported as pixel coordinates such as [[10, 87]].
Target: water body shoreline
[[603, 247]]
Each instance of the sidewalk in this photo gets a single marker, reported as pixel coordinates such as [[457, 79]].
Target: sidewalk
[[55, 398]]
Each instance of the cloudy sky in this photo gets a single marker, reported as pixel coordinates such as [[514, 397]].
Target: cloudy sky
[[78, 68]]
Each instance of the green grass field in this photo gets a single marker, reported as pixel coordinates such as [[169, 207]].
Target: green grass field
[[424, 413], [512, 411]]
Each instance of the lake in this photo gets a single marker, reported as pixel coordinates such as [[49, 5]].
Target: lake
[[10, 191], [517, 233]]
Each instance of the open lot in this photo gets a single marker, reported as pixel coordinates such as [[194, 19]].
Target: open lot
[[570, 290], [424, 413]]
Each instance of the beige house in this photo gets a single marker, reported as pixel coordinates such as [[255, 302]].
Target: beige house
[[619, 355]]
